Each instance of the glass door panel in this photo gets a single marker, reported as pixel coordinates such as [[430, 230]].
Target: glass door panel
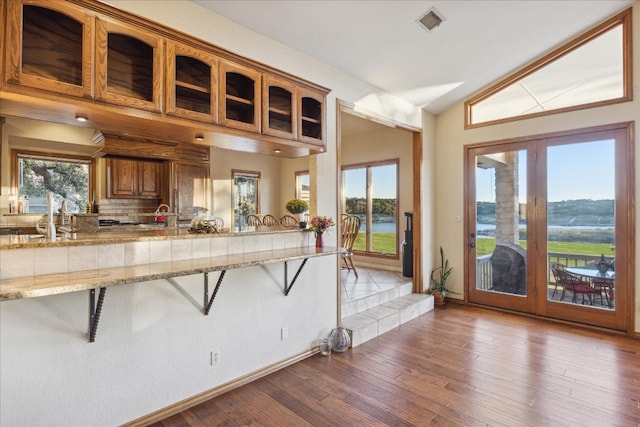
[[498, 235], [585, 209]]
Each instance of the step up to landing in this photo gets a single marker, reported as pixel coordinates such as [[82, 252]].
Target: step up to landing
[[377, 320]]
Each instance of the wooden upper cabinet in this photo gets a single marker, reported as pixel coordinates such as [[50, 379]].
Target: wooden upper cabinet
[[191, 183], [134, 179], [129, 66], [239, 96], [191, 84], [49, 46], [311, 118], [279, 107]]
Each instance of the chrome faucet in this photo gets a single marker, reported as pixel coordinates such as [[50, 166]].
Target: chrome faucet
[[63, 211]]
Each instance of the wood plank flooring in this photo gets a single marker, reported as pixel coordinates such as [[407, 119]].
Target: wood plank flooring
[[455, 366]]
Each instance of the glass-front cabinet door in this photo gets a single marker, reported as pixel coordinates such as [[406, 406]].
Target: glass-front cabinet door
[[240, 92], [279, 107], [192, 83], [128, 66], [49, 47]]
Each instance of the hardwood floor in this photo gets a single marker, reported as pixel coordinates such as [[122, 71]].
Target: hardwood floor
[[458, 365]]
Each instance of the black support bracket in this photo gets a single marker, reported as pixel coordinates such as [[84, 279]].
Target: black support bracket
[[94, 312], [287, 286], [208, 302]]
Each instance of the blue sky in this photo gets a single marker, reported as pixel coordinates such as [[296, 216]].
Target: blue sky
[[384, 182], [575, 171]]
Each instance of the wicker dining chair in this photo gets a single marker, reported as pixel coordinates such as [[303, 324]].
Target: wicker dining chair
[[270, 220], [350, 225], [253, 221], [289, 221]]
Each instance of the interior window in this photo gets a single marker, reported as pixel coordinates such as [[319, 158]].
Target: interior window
[[591, 70], [67, 178], [302, 185], [371, 193], [245, 195]]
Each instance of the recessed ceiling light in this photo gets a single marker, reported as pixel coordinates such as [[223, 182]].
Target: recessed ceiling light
[[199, 137], [277, 150], [430, 20], [81, 118]]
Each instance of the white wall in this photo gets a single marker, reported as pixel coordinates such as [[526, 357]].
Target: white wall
[[451, 137], [269, 167], [153, 343]]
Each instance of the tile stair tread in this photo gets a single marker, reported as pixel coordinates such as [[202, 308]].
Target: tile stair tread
[[369, 320]]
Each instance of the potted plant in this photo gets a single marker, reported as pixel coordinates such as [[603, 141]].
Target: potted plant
[[439, 277], [298, 207]]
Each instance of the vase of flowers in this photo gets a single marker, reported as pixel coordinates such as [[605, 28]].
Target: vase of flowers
[[320, 224], [298, 207]]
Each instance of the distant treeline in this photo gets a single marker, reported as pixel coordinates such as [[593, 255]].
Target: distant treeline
[[581, 212], [380, 207]]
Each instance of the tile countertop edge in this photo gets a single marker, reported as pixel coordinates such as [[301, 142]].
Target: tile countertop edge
[[53, 284], [107, 237]]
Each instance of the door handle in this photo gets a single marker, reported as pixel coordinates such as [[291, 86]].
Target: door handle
[[472, 235], [472, 245]]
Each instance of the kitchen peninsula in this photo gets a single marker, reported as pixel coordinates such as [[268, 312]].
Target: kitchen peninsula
[[90, 261]]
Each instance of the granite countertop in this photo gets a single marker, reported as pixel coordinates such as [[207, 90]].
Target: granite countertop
[[51, 284], [108, 235]]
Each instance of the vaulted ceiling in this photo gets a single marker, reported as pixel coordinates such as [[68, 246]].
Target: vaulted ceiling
[[380, 42]]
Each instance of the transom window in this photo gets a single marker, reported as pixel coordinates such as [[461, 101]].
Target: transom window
[[592, 70]]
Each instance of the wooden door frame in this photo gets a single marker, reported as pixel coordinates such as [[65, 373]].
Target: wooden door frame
[[349, 108], [628, 192]]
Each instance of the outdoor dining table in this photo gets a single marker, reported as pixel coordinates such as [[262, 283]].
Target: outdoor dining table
[[605, 281]]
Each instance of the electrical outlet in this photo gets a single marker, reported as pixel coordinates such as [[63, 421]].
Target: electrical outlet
[[214, 357], [284, 333]]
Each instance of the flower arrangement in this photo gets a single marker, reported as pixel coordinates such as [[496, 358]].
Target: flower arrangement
[[297, 206], [320, 224]]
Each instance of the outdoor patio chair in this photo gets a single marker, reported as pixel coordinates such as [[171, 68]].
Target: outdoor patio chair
[[270, 220], [350, 225], [569, 282]]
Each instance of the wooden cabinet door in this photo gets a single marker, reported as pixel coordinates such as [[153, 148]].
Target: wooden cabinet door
[[279, 108], [49, 46], [150, 179], [122, 178], [311, 116], [129, 67], [191, 83], [239, 96], [192, 188]]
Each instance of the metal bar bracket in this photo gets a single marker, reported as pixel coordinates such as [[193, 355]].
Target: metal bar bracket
[[94, 312], [209, 302], [287, 286]]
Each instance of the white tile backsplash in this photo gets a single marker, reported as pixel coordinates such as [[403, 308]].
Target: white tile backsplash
[[17, 263], [110, 256], [82, 258], [30, 261], [51, 260]]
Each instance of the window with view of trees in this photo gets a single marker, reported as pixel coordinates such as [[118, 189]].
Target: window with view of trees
[[370, 191], [66, 177], [302, 185]]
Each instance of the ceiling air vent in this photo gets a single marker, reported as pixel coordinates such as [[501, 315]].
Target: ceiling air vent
[[430, 20]]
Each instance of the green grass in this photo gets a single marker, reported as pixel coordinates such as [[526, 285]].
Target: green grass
[[485, 246], [382, 242], [386, 243]]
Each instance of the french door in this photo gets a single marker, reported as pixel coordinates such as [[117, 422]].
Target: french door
[[550, 227]]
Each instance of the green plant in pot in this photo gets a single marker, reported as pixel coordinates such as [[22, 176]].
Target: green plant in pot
[[298, 207], [439, 277]]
